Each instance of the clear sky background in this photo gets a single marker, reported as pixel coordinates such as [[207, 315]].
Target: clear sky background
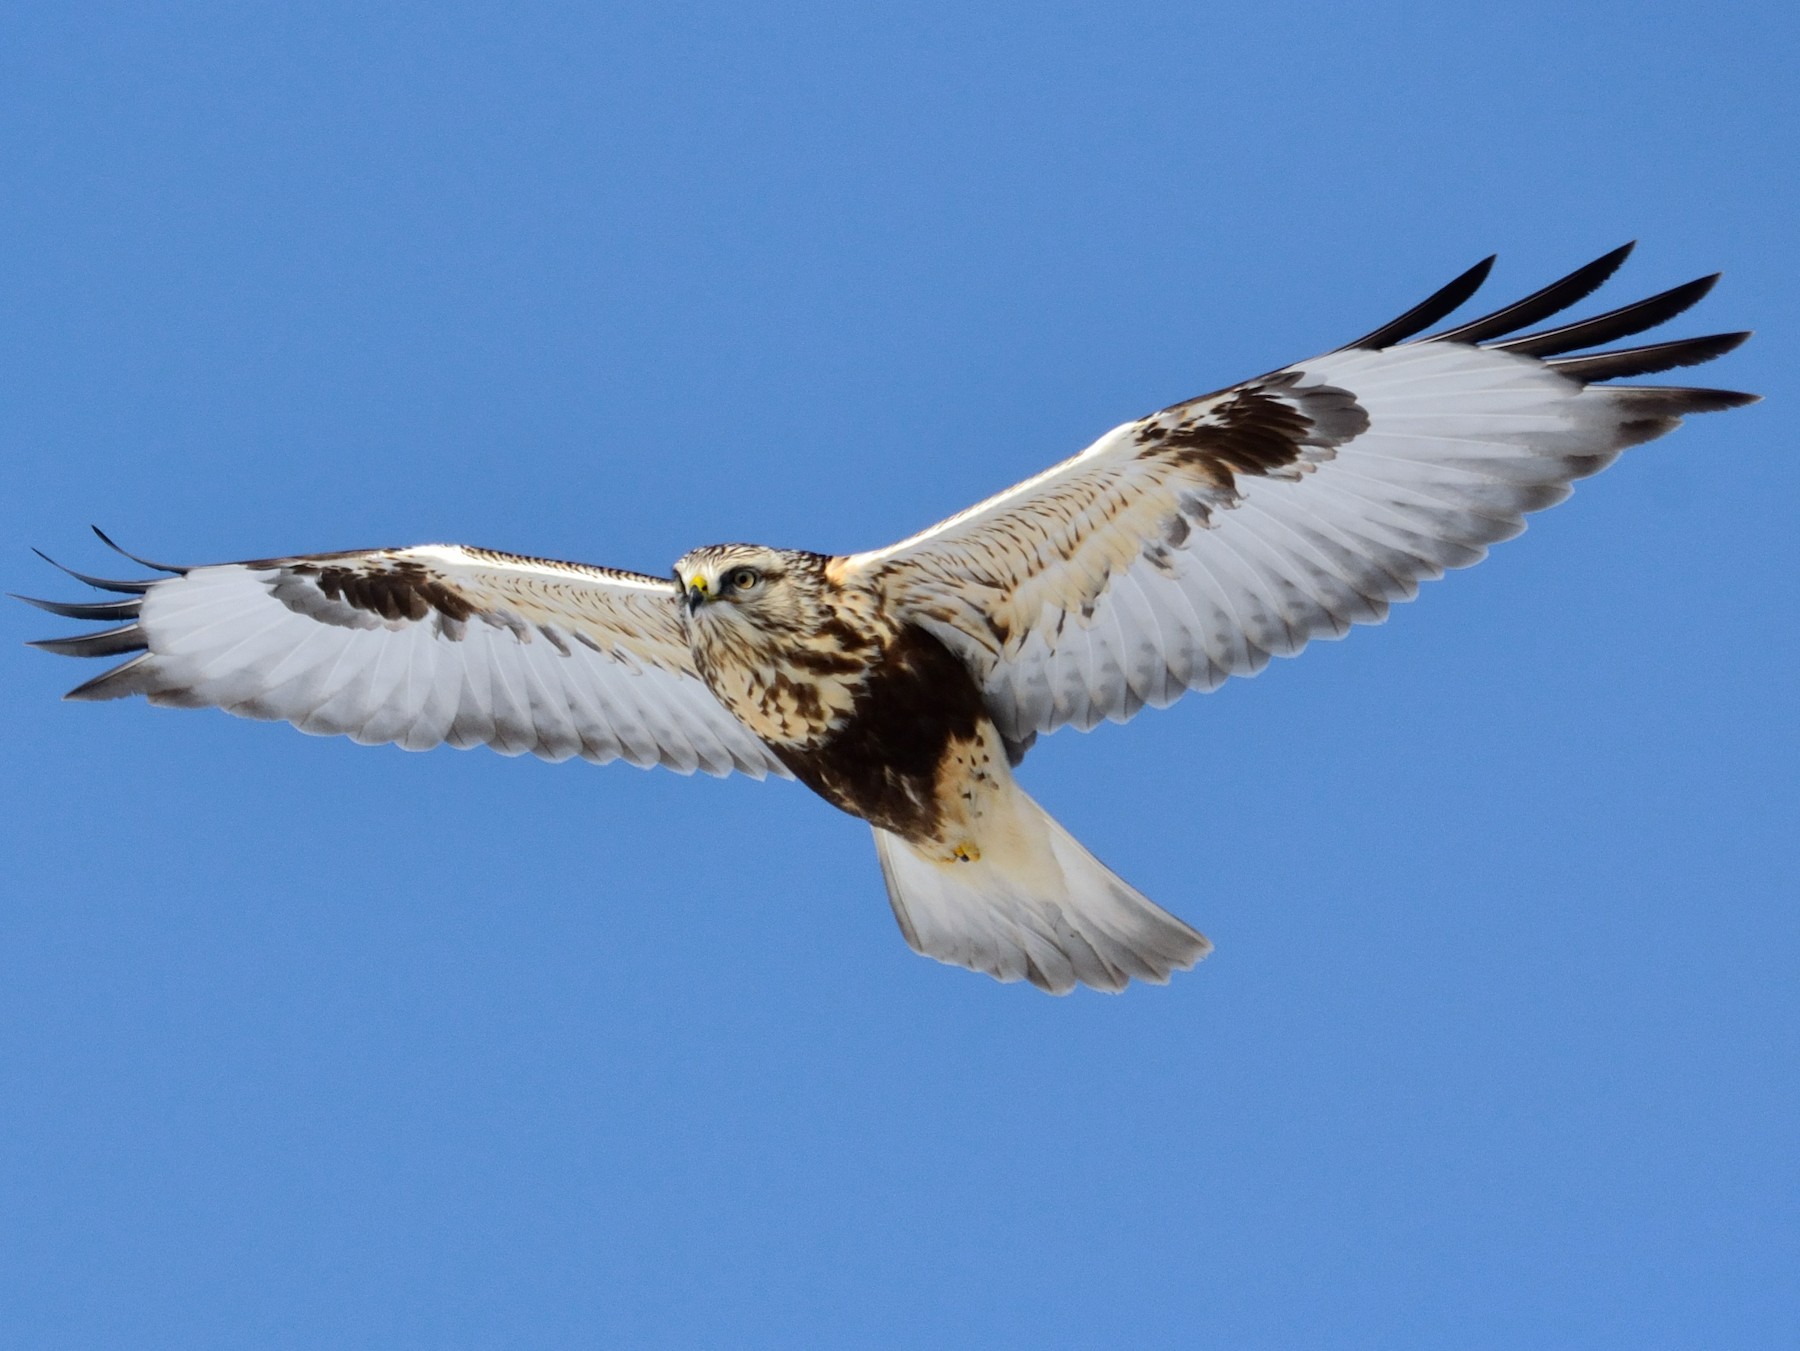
[[304, 1044]]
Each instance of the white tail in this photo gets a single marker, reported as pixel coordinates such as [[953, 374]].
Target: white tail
[[1033, 905]]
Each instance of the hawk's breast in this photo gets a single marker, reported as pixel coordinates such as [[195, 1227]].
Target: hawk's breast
[[794, 697]]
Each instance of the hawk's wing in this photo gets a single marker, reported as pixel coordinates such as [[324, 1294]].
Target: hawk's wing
[[1196, 543], [423, 646]]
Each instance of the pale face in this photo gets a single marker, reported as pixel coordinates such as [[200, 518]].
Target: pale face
[[769, 639], [739, 585]]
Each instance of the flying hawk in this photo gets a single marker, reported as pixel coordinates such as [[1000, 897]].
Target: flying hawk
[[903, 685]]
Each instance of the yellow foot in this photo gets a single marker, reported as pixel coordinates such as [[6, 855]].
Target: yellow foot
[[966, 853]]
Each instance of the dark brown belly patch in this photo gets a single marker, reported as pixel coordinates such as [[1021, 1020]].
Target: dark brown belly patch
[[919, 701]]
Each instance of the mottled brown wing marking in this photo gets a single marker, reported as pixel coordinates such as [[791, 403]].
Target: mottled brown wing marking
[[401, 589], [1262, 429]]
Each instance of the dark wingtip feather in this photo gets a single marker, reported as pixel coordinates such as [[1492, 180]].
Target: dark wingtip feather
[[1614, 324], [1649, 411], [1678, 401], [1427, 312], [1540, 305], [117, 683], [106, 609], [107, 540], [1660, 356], [1718, 400], [106, 643], [101, 583]]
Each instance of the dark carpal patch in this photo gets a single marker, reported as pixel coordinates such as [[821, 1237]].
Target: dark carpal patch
[[883, 765], [398, 590], [1263, 429]]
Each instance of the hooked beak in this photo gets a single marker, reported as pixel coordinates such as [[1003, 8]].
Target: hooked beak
[[696, 594]]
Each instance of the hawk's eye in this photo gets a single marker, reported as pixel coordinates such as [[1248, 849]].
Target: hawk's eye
[[742, 579]]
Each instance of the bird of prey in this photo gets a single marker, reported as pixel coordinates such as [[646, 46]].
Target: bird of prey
[[904, 684]]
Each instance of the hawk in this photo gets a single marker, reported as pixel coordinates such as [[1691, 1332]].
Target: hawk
[[905, 684]]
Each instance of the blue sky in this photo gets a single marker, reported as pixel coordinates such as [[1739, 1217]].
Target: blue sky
[[304, 1044]]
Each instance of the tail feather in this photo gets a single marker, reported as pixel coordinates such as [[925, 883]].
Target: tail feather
[[1043, 910]]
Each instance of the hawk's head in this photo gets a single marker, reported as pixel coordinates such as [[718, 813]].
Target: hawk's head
[[783, 646], [753, 591]]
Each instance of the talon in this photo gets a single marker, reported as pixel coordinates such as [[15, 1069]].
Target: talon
[[966, 853]]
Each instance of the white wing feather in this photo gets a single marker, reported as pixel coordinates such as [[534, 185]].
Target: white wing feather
[[1197, 543], [427, 646]]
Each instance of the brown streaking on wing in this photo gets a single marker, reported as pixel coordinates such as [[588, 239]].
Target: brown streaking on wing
[[396, 590]]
